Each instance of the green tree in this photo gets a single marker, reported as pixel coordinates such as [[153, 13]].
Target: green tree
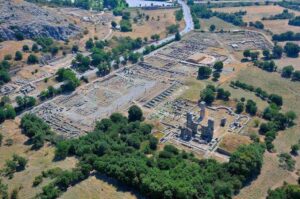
[[218, 66], [89, 44], [251, 107], [286, 191], [32, 59], [212, 28], [287, 71], [277, 52], [216, 76], [135, 114], [34, 48], [295, 149], [266, 53], [18, 56], [114, 24], [239, 107], [296, 75], [246, 53], [207, 95], [25, 48], [177, 36], [247, 161], [291, 49], [204, 72]]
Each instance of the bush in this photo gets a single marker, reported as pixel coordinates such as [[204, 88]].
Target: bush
[[32, 59], [25, 48], [18, 56], [204, 72], [287, 71], [125, 25]]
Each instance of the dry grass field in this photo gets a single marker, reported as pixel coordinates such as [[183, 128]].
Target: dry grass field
[[219, 23], [153, 26], [10, 48], [98, 186], [231, 141], [192, 92], [38, 161], [256, 13]]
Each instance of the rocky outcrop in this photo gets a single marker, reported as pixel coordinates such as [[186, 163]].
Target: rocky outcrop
[[33, 21]]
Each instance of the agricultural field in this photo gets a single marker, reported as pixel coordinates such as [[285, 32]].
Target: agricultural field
[[256, 13], [158, 21]]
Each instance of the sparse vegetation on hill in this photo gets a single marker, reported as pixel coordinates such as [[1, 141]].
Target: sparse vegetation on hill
[[85, 4]]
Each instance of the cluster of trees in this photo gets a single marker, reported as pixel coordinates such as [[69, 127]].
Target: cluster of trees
[[104, 59], [210, 93], [286, 191], [291, 49], [286, 161], [16, 164], [81, 63], [125, 24], [179, 15], [118, 148], [218, 67], [257, 24], [4, 75], [151, 48], [49, 93], [277, 121], [294, 5], [198, 10], [24, 102], [36, 129], [289, 72], [204, 72], [284, 15], [287, 36], [250, 54], [269, 66], [277, 52], [7, 111], [233, 18], [250, 107], [46, 44], [69, 78], [272, 98], [295, 21]]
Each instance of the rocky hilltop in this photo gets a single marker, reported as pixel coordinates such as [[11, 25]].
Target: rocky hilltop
[[32, 21]]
